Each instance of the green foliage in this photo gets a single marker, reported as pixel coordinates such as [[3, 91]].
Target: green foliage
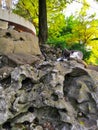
[[56, 26], [56, 33], [93, 59], [28, 9], [57, 42], [74, 32]]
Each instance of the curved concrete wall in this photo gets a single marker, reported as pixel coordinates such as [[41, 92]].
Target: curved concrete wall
[[8, 16]]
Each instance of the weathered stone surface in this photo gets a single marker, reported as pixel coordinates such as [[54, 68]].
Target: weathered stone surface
[[93, 67], [49, 96], [6, 46], [50, 52], [3, 24], [12, 41], [5, 72], [14, 60], [46, 95]]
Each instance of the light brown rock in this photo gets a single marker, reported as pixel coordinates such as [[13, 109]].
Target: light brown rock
[[12, 41], [6, 46]]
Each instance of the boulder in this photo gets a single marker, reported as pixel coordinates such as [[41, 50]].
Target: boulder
[[6, 46], [49, 96], [13, 60], [12, 41]]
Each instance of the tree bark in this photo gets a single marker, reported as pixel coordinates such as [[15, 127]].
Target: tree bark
[[43, 30]]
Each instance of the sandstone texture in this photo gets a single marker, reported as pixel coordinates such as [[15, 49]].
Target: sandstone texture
[[12, 41]]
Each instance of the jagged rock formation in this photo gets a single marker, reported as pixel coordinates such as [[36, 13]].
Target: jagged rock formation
[[52, 95], [43, 94]]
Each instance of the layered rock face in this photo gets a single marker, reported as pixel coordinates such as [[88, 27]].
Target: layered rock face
[[43, 94]]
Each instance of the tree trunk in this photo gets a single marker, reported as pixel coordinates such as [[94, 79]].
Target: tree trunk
[[43, 30]]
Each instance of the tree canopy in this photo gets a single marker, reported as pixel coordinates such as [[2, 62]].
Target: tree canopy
[[79, 31]]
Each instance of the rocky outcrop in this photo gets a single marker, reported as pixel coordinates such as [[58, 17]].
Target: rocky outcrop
[[48, 96], [50, 52], [38, 93]]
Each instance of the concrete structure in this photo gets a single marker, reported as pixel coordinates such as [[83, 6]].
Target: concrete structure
[[17, 21]]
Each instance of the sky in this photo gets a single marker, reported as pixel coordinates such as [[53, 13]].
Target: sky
[[75, 6]]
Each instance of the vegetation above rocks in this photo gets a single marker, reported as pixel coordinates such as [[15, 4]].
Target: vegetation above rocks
[[77, 31]]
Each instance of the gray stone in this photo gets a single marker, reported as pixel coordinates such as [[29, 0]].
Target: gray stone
[[47, 95]]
